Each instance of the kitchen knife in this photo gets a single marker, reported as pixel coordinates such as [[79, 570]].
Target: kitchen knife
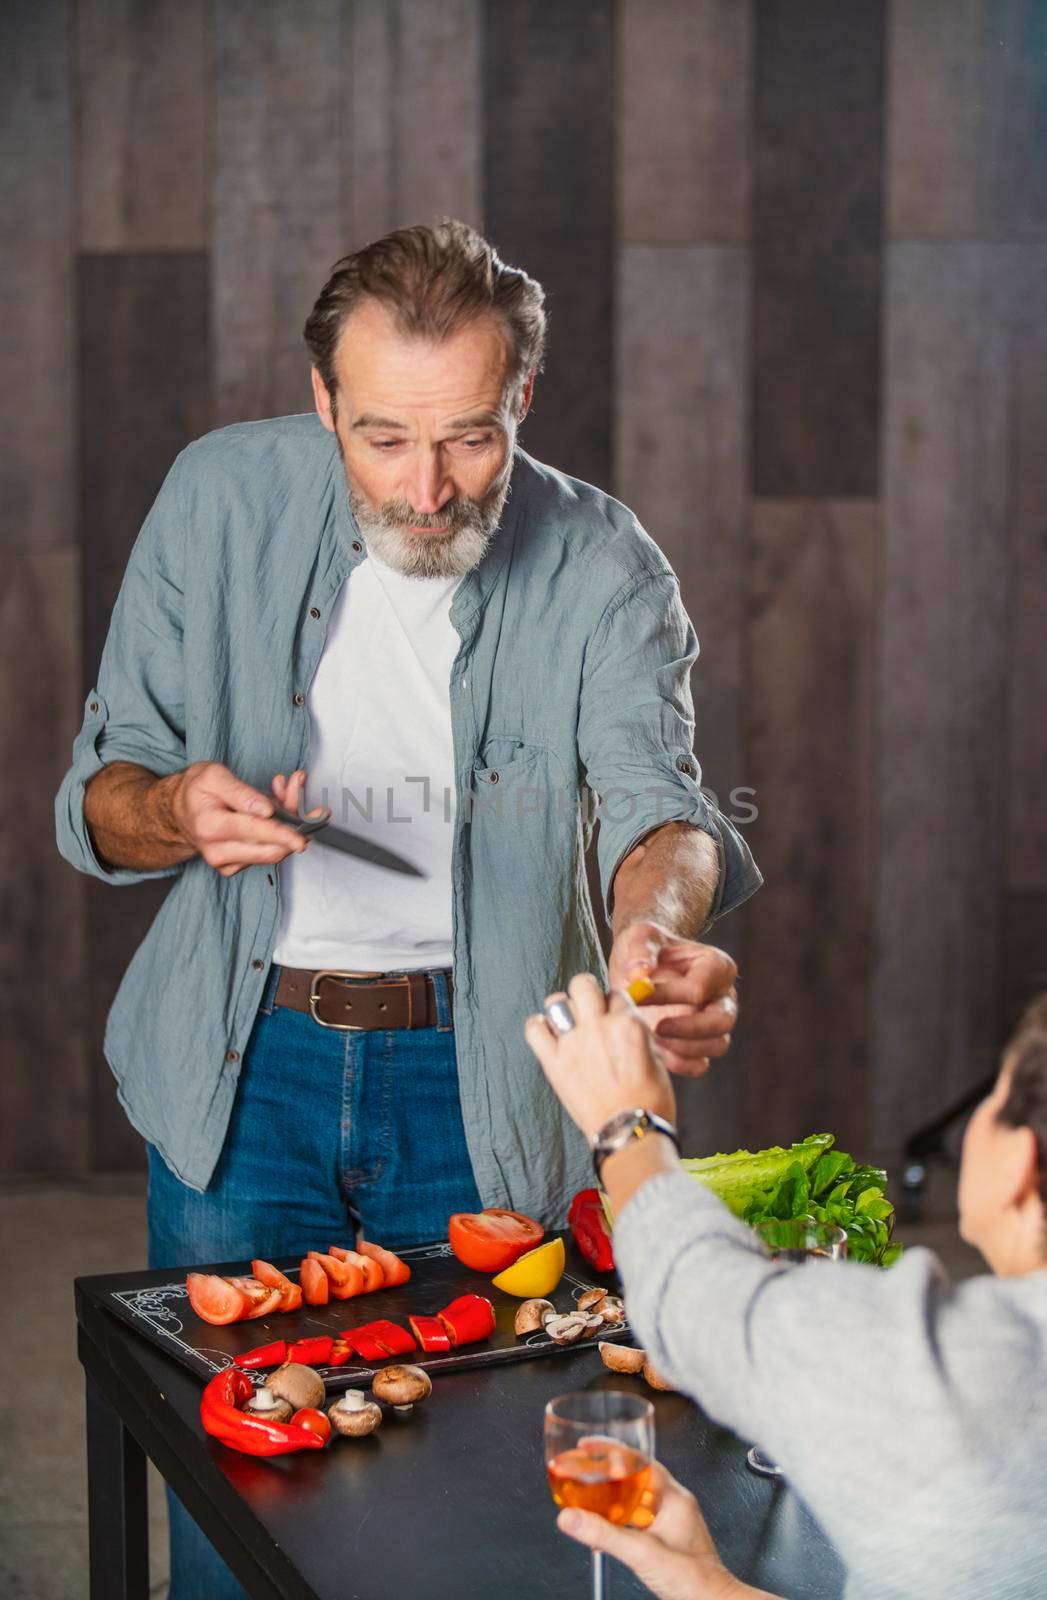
[[323, 830]]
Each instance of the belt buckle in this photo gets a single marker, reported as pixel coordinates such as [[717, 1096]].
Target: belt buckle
[[314, 997]]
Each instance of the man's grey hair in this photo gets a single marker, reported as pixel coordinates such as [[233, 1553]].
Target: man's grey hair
[[434, 280]]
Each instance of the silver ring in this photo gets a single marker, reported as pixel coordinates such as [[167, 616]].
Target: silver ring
[[559, 1017]]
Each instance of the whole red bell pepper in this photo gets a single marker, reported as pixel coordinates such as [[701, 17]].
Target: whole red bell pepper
[[588, 1225], [265, 1355], [431, 1334], [223, 1418], [315, 1352], [468, 1319]]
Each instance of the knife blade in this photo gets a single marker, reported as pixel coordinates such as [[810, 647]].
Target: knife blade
[[323, 831]]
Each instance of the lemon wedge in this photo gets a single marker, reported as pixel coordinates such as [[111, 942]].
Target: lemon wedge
[[535, 1274]]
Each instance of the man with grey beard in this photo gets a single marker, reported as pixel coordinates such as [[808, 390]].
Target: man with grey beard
[[459, 646]]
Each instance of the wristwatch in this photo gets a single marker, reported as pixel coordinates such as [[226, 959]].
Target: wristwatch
[[627, 1125]]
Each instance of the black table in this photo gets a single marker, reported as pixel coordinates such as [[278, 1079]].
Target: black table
[[452, 1502]]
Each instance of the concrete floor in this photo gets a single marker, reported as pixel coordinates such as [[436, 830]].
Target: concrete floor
[[52, 1231]]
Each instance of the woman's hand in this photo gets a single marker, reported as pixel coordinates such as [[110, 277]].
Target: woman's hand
[[675, 1557], [607, 1063]]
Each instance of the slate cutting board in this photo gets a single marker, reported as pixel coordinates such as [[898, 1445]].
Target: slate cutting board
[[160, 1311]]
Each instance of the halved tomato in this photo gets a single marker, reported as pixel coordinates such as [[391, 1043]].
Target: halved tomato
[[490, 1241], [273, 1278], [215, 1299], [394, 1270], [346, 1279], [316, 1286]]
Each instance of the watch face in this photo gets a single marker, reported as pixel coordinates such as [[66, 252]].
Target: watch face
[[623, 1121]]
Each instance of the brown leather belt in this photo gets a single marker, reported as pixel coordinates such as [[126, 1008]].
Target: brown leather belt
[[354, 1001]]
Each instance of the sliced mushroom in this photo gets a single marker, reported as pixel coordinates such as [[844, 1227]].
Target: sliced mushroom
[[593, 1320], [297, 1384], [655, 1379], [612, 1310], [354, 1415], [590, 1300], [531, 1314], [621, 1357], [264, 1403], [565, 1330], [402, 1387]]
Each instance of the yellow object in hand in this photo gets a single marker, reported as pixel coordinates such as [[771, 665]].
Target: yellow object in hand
[[639, 990]]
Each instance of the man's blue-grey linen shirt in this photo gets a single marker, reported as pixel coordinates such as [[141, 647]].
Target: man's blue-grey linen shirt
[[572, 679]]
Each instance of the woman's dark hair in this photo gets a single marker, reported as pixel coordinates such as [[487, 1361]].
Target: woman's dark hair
[[1025, 1061], [434, 280]]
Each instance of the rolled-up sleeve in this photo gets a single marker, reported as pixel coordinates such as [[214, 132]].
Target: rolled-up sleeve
[[636, 736], [136, 711]]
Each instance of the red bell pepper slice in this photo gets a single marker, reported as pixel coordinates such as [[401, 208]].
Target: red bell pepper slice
[[588, 1225], [264, 1355], [341, 1351], [430, 1333], [368, 1348], [390, 1338], [468, 1319], [314, 1352]]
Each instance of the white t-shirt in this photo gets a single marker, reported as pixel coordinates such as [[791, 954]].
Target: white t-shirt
[[381, 756]]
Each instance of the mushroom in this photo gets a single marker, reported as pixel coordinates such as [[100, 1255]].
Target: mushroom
[[612, 1309], [590, 1300], [621, 1357], [565, 1330], [264, 1403], [530, 1316], [655, 1379], [354, 1415], [402, 1387], [297, 1384], [593, 1320]]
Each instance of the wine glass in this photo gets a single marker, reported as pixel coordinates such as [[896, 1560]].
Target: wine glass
[[599, 1446], [798, 1239]]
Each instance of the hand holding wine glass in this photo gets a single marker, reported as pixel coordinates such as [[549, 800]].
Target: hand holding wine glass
[[599, 1456]]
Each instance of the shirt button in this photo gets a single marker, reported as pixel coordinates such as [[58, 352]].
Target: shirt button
[[494, 777], [93, 706], [314, 613], [685, 766], [357, 546], [232, 1055], [299, 698], [258, 965]]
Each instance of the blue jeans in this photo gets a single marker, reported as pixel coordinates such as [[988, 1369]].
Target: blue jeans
[[326, 1127]]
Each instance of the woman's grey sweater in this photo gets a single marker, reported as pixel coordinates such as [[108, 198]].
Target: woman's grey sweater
[[910, 1415]]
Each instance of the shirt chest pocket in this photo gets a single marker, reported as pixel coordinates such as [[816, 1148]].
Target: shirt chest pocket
[[503, 758], [516, 783]]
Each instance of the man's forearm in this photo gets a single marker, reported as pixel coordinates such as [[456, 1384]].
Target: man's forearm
[[671, 879], [129, 813]]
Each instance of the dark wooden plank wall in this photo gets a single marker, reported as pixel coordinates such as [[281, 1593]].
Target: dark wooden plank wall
[[796, 259]]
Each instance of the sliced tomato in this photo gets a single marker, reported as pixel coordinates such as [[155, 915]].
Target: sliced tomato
[[216, 1300], [261, 1301], [346, 1277], [394, 1270], [316, 1285], [373, 1276], [490, 1241], [273, 1278]]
